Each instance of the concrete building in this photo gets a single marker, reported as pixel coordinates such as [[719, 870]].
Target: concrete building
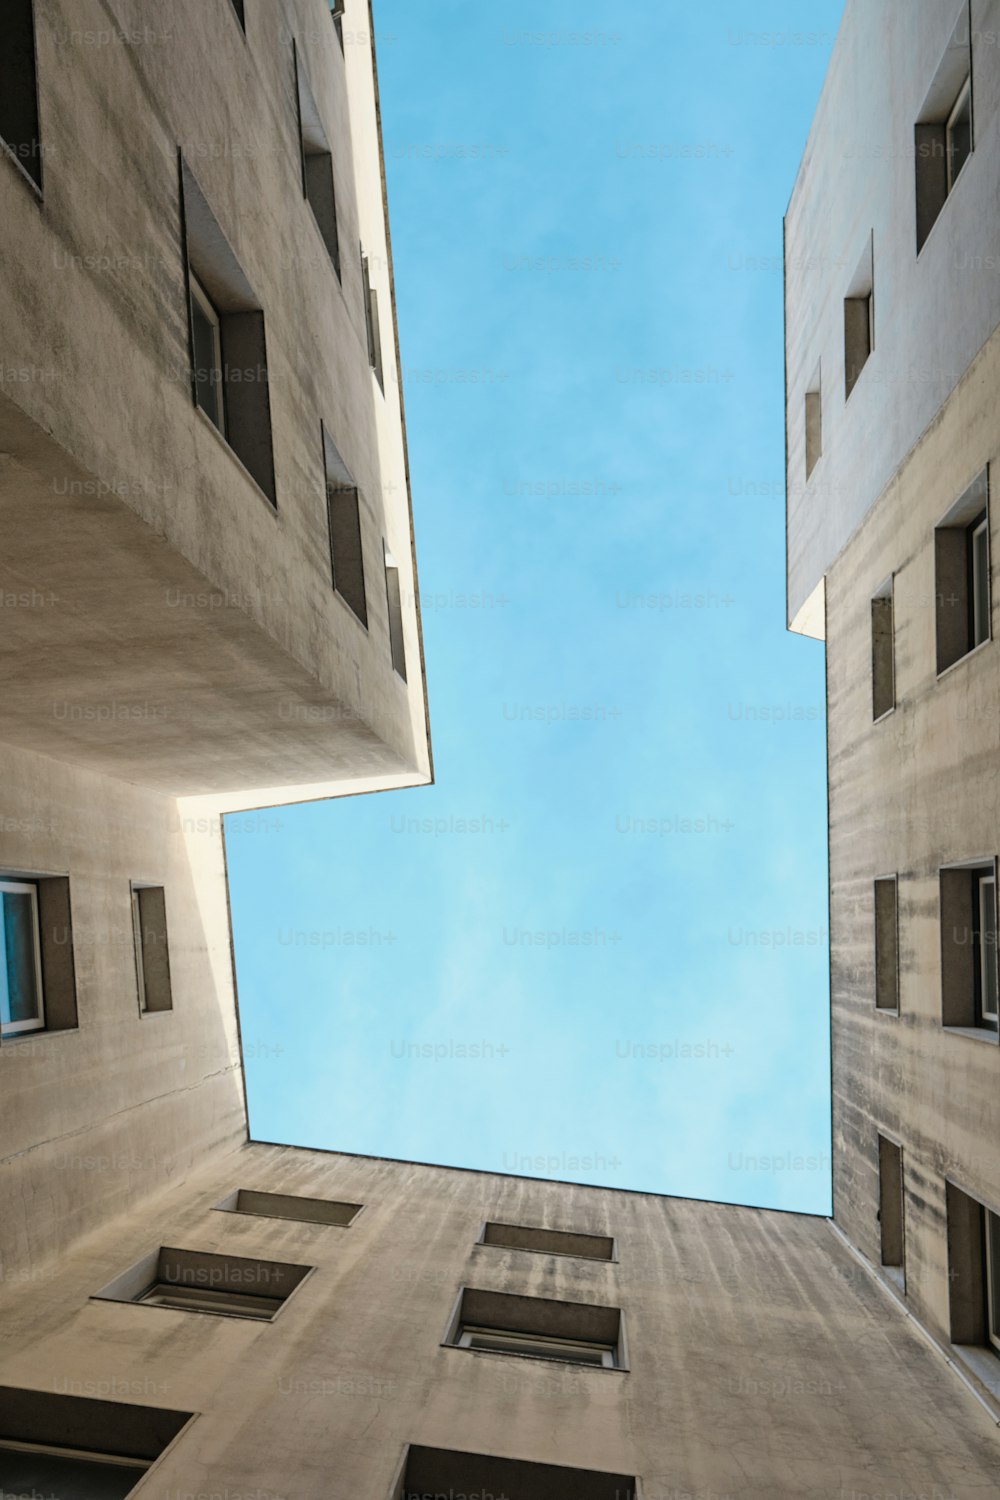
[[208, 596], [893, 425]]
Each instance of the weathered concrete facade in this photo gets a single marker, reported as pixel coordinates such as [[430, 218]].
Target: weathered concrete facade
[[913, 718], [764, 1360]]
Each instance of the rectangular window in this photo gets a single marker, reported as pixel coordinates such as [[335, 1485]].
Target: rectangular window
[[22, 1004], [343, 516], [886, 944], [395, 607], [445, 1472], [76, 1448], [549, 1241], [962, 575], [814, 424], [943, 136], [969, 947], [991, 1232], [890, 1207], [973, 1232], [229, 380], [238, 7], [195, 1281], [317, 163], [538, 1328], [883, 652], [289, 1206], [152, 957], [206, 337], [19, 87], [372, 327], [859, 318], [337, 12]]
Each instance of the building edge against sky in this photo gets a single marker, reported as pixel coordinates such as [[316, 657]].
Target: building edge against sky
[[893, 438], [182, 1309]]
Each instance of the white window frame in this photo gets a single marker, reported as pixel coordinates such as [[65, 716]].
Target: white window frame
[[992, 1287], [17, 1028], [964, 97], [210, 1300], [211, 313], [979, 543], [986, 887], [539, 1346]]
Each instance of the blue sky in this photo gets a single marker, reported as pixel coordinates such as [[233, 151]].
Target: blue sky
[[596, 949]]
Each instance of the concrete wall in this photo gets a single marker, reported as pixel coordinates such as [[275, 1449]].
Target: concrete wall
[[264, 676], [765, 1362], [95, 1119], [932, 313], [914, 792]]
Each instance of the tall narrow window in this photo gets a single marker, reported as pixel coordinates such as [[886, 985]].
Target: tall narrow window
[[317, 163], [152, 958], [206, 334], [814, 423], [890, 1206], [19, 87], [859, 318], [337, 12], [372, 322], [22, 1006], [991, 1231], [883, 652], [343, 512], [943, 134], [886, 944], [978, 546], [969, 947], [394, 601]]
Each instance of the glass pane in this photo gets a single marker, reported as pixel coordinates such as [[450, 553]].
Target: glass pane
[[988, 945], [20, 991], [207, 375], [60, 1478], [993, 1251]]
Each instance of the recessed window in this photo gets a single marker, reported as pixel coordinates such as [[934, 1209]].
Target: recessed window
[[229, 381], [962, 576], [538, 1328], [337, 12], [395, 607], [974, 1282], [22, 1004], [814, 422], [230, 1286], [886, 944], [890, 1208], [152, 957], [548, 1241], [206, 337], [343, 512], [238, 7], [943, 135], [969, 946], [19, 87], [317, 163], [372, 325], [37, 976], [859, 319], [439, 1472], [289, 1206], [883, 652], [73, 1448]]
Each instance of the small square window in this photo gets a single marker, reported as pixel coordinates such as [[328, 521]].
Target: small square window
[[538, 1328], [70, 1447], [19, 130], [962, 576], [231, 1286], [152, 957], [22, 1003], [969, 947]]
